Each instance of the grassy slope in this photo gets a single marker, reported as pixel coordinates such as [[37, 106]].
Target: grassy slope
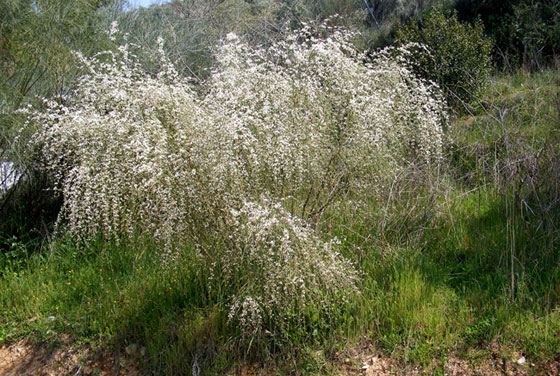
[[437, 268]]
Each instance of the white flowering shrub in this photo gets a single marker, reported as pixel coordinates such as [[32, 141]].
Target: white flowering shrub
[[307, 119], [282, 269], [117, 149], [252, 157]]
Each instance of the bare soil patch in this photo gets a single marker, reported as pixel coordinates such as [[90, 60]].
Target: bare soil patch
[[24, 358], [364, 359], [367, 360]]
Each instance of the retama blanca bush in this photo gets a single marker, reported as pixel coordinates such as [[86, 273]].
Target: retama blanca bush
[[250, 159]]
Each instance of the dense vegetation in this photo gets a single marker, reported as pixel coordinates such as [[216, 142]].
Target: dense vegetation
[[225, 182]]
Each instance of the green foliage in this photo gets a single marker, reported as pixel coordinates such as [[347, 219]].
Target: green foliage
[[511, 140], [383, 11], [36, 40], [13, 256], [319, 9], [419, 305], [527, 32], [457, 55], [192, 30], [28, 210]]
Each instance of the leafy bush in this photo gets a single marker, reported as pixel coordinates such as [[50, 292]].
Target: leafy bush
[[245, 169], [457, 55], [526, 32]]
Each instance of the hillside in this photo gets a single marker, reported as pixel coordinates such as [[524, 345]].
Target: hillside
[[265, 187]]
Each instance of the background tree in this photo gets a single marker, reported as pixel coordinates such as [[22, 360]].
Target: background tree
[[527, 32], [36, 40], [454, 54]]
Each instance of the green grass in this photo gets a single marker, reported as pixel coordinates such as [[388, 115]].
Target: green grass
[[418, 304], [112, 295], [447, 271], [453, 292]]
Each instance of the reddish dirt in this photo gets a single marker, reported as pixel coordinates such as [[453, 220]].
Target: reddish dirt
[[365, 359], [26, 359]]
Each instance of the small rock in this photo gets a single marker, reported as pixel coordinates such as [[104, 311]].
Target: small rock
[[51, 318], [364, 368], [521, 360]]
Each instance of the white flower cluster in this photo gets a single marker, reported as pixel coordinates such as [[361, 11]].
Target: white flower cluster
[[282, 267], [254, 155], [117, 149], [308, 119]]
